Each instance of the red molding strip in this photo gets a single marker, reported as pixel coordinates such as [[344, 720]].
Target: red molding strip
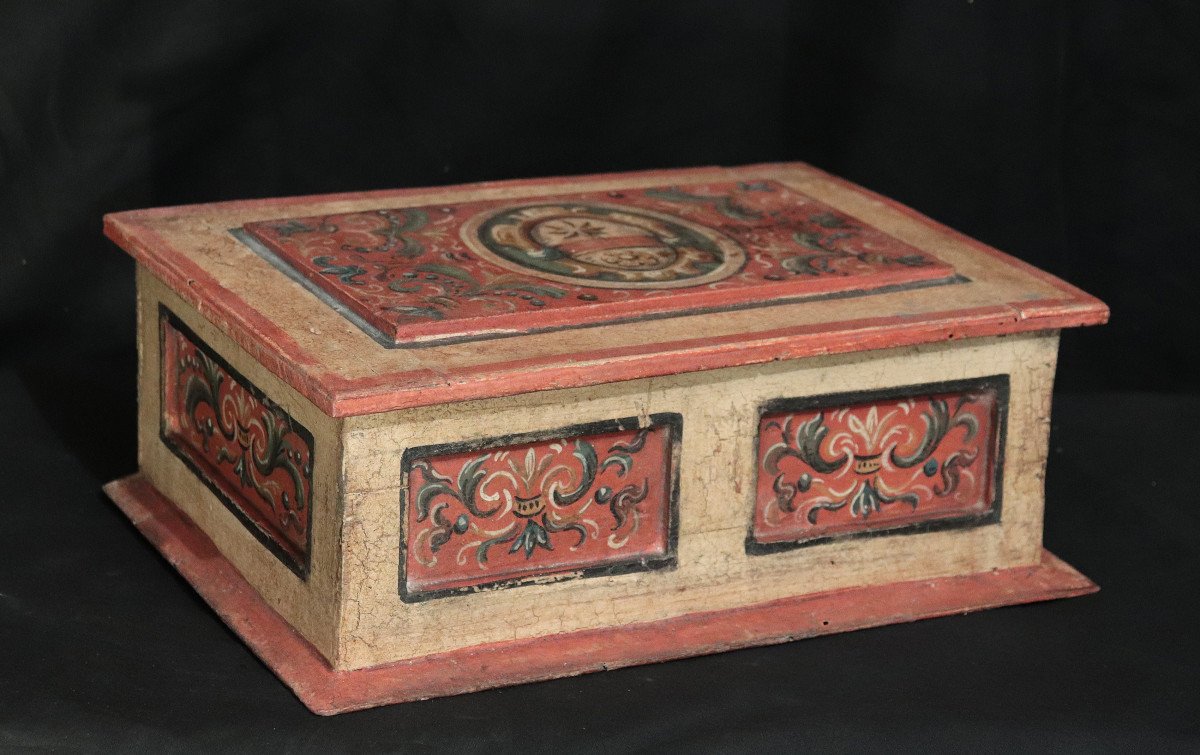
[[326, 691]]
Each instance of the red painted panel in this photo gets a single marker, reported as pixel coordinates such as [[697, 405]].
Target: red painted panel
[[586, 500], [479, 269], [251, 453], [920, 457]]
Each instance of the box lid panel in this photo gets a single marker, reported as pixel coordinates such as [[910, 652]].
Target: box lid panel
[[881, 275], [458, 271]]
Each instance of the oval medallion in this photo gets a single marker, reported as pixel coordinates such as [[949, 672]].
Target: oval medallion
[[607, 246]]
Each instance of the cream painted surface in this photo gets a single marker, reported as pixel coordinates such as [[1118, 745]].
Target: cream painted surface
[[310, 606], [720, 411]]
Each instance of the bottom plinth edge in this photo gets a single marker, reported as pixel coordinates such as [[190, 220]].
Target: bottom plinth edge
[[327, 691]]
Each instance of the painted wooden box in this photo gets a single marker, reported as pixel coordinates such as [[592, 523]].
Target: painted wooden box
[[421, 442]]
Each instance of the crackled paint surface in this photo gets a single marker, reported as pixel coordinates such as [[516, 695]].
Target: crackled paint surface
[[844, 465], [476, 269], [588, 500], [251, 453]]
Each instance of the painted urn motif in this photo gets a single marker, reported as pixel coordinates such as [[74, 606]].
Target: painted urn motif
[[527, 507]]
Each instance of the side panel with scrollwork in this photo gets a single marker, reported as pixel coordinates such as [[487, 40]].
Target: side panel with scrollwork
[[247, 450], [578, 501], [902, 460]]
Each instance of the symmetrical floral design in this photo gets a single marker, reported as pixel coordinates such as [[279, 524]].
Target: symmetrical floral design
[[457, 270], [845, 465], [251, 453], [596, 498]]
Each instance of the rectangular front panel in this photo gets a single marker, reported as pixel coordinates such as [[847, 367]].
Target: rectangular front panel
[[577, 501], [249, 452], [902, 459]]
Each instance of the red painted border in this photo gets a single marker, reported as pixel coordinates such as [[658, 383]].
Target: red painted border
[[338, 396], [326, 691]]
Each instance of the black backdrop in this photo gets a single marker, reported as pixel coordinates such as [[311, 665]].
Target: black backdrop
[[1065, 133]]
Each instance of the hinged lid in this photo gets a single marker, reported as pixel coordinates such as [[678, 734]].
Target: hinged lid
[[412, 297]]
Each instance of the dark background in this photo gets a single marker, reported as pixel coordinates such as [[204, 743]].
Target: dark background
[[1065, 133]]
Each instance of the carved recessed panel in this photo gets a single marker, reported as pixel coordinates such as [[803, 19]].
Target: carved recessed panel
[[580, 501], [254, 456], [908, 459]]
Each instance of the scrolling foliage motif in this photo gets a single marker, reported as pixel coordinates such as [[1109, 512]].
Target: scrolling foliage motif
[[537, 508], [246, 448], [384, 257], [885, 463]]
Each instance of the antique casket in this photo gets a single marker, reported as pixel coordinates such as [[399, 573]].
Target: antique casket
[[422, 442]]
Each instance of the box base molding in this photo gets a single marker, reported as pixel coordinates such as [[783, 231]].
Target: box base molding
[[326, 691]]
